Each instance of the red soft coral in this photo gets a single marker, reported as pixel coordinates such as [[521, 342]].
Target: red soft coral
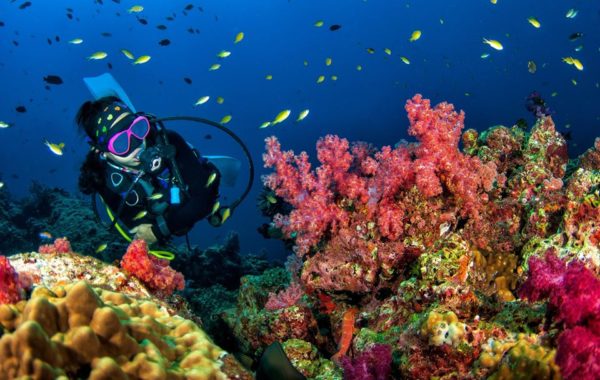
[[60, 245], [155, 273], [10, 286]]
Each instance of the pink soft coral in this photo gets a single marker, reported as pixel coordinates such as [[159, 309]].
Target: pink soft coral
[[155, 273], [574, 291], [10, 286], [285, 298], [60, 245]]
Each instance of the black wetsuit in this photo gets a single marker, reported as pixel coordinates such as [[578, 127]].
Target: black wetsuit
[[166, 217]]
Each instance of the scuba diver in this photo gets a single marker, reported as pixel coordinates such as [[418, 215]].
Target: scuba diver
[[151, 181]]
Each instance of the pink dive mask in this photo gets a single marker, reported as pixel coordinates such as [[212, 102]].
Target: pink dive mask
[[120, 144]]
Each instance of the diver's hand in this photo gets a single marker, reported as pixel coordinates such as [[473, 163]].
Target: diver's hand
[[144, 232]]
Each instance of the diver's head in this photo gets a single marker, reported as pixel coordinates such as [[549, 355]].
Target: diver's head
[[113, 130]]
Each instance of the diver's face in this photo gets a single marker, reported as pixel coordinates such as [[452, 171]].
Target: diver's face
[[130, 160]]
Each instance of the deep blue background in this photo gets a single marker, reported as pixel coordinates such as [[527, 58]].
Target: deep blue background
[[279, 36]]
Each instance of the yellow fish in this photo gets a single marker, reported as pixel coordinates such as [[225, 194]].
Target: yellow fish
[[142, 59], [270, 198], [76, 41], [211, 179], [405, 60], [302, 115], [127, 53], [202, 100], [101, 247], [238, 37], [224, 54], [388, 51], [415, 36], [155, 196], [531, 67], [214, 67], [55, 148], [334, 77], [1, 185], [358, 67], [319, 24], [98, 55], [4, 124], [140, 215], [493, 43], [226, 119], [370, 50], [220, 100], [493, 1], [135, 9], [268, 77], [225, 215], [305, 63], [215, 207], [571, 13], [485, 55], [281, 116], [264, 125], [577, 63], [534, 22], [328, 61], [321, 78]]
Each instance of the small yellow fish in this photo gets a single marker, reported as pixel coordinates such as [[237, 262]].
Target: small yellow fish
[[577, 63], [571, 13], [135, 9], [493, 1], [405, 60], [202, 100], [531, 67], [264, 125], [4, 124], [140, 215], [215, 207], [321, 78], [493, 43], [214, 67], [485, 55], [334, 77], [370, 50], [238, 37], [226, 119], [579, 48], [328, 61], [155, 196], [415, 36], [76, 41], [302, 115], [220, 99], [141, 59], [225, 215], [1, 185], [574, 82], [55, 148], [305, 63], [224, 54], [271, 198], [268, 77], [45, 235], [211, 179], [127, 53], [358, 67], [98, 55], [534, 22], [281, 116], [554, 94], [388, 51], [319, 24], [101, 247]]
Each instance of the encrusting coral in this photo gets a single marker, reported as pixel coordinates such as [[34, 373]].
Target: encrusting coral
[[79, 331]]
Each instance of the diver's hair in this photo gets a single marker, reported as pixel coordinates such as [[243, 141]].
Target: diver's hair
[[92, 172]]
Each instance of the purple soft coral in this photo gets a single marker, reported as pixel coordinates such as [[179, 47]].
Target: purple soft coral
[[574, 291], [372, 364]]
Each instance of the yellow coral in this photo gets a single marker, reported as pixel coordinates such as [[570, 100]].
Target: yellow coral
[[63, 331], [443, 328]]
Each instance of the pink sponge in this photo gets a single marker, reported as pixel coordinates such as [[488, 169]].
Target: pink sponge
[[155, 273], [10, 286]]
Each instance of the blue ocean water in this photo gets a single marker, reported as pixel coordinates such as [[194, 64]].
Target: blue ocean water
[[279, 36]]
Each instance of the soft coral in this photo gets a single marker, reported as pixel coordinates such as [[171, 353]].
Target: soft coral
[[574, 291], [10, 286]]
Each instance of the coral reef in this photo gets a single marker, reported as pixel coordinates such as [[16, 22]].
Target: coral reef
[[78, 331], [430, 244]]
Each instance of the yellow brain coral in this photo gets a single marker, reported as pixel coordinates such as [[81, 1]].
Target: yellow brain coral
[[77, 331]]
